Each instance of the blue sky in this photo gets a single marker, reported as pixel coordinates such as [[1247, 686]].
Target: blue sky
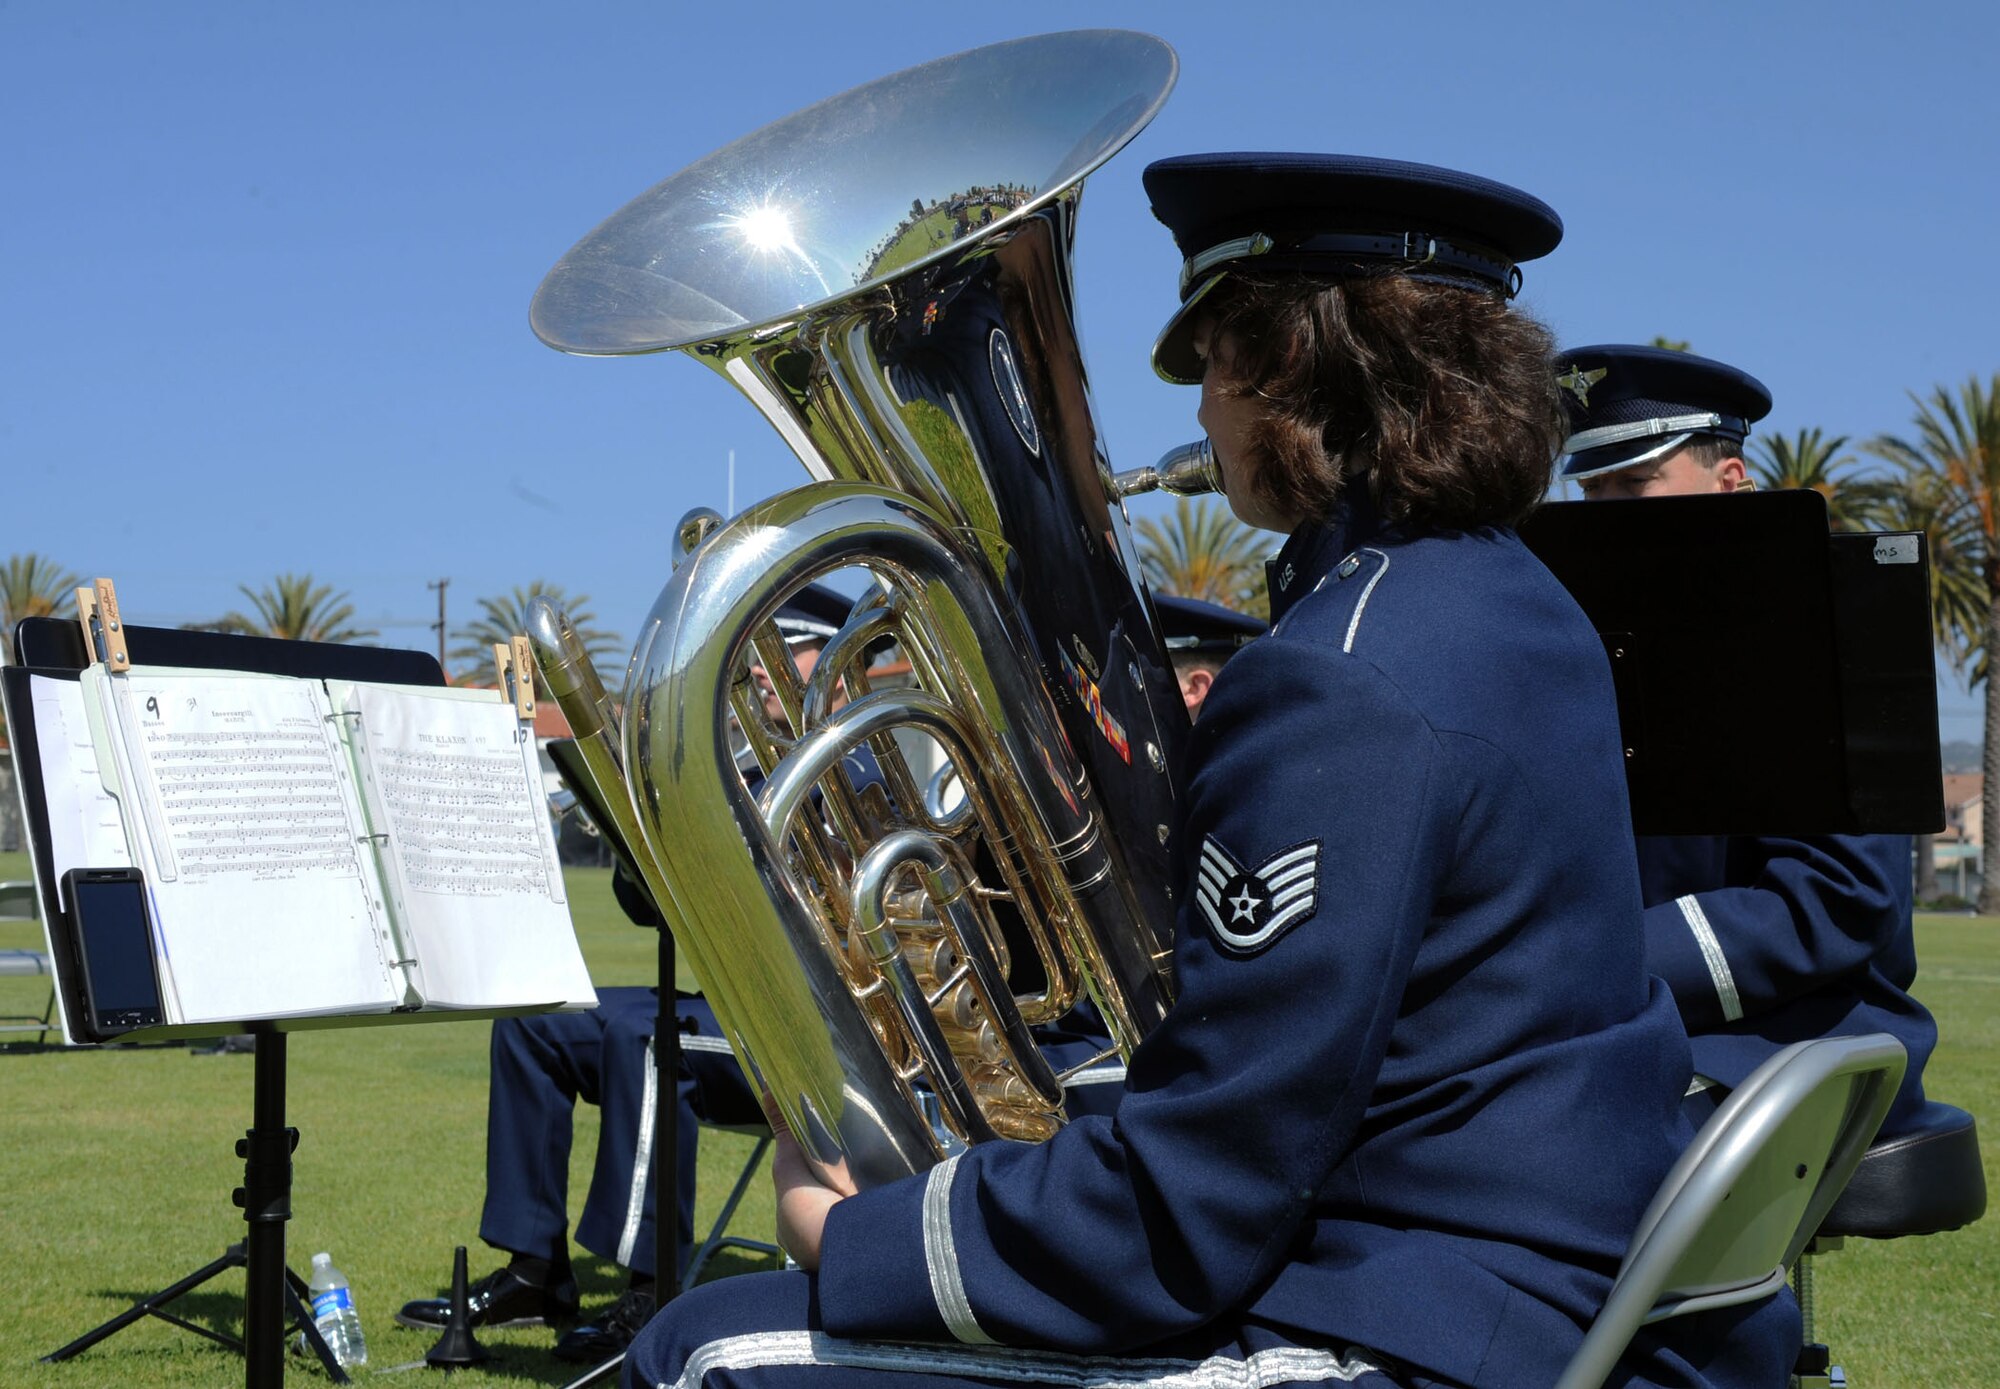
[[264, 269]]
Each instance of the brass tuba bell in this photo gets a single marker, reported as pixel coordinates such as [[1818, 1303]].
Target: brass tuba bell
[[887, 276]]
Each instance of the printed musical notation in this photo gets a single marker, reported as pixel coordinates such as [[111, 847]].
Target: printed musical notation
[[262, 802], [462, 820]]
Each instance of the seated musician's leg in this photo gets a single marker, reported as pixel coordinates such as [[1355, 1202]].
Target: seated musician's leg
[[540, 1066], [713, 1085], [763, 1330], [620, 1212]]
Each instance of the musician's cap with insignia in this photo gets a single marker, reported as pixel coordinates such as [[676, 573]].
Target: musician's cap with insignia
[[814, 613], [1629, 404], [1335, 215], [1192, 627]]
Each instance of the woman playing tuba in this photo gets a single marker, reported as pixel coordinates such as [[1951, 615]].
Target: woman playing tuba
[[1416, 1087]]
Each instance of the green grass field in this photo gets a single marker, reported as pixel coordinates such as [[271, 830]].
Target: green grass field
[[118, 1166]]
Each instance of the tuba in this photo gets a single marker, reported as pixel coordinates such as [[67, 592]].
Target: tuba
[[887, 276]]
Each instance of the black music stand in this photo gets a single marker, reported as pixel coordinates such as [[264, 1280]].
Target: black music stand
[[1772, 678], [274, 1297]]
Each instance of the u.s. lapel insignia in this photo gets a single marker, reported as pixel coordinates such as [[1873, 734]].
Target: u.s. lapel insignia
[[1578, 383], [1247, 909]]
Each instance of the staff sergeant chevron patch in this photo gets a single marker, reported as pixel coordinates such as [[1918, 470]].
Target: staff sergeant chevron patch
[[1247, 909]]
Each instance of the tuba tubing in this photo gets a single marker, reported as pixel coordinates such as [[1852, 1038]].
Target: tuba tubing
[[573, 682], [775, 967]]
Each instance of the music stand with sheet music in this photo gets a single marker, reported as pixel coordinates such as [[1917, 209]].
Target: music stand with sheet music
[[1772, 677], [275, 1297]]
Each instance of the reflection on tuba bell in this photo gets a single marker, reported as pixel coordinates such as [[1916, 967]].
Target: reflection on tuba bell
[[887, 276]]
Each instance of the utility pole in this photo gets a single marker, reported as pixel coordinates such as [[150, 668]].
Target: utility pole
[[438, 626]]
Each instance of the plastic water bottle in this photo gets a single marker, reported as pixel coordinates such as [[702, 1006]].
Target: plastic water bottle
[[334, 1314]]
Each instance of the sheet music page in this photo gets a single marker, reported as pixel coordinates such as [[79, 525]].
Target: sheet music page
[[250, 843], [453, 778], [85, 828]]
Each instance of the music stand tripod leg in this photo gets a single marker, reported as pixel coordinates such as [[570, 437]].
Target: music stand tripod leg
[[597, 1372], [151, 1306]]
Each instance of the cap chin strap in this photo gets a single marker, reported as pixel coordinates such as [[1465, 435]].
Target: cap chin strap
[[1407, 249], [1706, 423]]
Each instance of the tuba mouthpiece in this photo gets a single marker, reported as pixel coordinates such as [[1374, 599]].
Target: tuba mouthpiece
[[1188, 471]]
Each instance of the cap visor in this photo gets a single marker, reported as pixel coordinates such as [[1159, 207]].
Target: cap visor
[[1626, 454], [1174, 359]]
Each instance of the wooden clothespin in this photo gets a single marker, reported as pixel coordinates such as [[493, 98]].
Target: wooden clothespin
[[103, 632], [514, 664]]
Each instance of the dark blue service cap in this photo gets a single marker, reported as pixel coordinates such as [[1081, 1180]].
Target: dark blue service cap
[[1629, 405], [1332, 215], [1189, 625], [814, 613]]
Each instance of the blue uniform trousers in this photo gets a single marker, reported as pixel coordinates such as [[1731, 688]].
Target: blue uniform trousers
[[763, 1330], [543, 1064]]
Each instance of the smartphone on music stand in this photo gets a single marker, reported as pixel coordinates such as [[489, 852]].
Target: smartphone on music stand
[[114, 939]]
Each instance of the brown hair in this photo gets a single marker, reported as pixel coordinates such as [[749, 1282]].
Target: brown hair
[[1439, 398], [1709, 450]]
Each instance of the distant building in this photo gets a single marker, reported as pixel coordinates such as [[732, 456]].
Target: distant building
[[1959, 852]]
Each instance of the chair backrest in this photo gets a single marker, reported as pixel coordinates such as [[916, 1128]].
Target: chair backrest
[[17, 901], [1732, 1215]]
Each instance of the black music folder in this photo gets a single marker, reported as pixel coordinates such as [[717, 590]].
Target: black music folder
[[1773, 678]]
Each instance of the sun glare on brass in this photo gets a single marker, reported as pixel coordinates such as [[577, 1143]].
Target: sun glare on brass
[[765, 228]]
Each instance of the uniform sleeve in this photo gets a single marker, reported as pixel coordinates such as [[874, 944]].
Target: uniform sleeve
[[1306, 874], [1808, 911]]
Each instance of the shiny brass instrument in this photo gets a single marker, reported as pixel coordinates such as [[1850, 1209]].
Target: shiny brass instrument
[[887, 277]]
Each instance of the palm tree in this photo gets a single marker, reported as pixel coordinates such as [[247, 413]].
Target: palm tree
[[32, 585], [1204, 552], [1956, 451], [292, 606], [1958, 593], [1672, 344], [505, 617], [1809, 461]]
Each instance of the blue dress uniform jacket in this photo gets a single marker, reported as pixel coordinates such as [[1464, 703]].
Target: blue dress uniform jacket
[[1766, 942], [1418, 1086]]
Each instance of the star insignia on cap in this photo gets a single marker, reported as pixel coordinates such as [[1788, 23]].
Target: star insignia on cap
[[1578, 383], [1248, 908]]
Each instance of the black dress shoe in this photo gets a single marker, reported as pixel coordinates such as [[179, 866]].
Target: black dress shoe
[[597, 1341], [502, 1298]]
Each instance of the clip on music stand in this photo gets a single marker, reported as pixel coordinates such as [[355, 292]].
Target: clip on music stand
[[1772, 677], [275, 1299]]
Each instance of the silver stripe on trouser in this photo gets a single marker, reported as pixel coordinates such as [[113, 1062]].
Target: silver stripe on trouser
[[1278, 1365], [642, 1163]]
